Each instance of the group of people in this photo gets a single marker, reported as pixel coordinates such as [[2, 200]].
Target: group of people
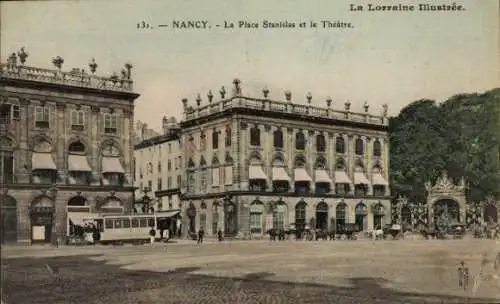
[[91, 233]]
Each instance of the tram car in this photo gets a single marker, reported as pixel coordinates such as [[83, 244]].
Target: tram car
[[133, 228]]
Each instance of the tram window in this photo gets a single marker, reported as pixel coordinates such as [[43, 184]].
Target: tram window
[[109, 224], [126, 223], [143, 223], [118, 224], [135, 223], [100, 225], [151, 222]]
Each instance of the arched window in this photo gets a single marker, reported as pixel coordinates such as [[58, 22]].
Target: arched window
[[44, 170], [320, 163], [78, 166], [215, 217], [340, 145], [255, 136], [112, 169], [215, 172], [278, 138], [227, 138], [340, 165], [320, 143], [6, 161], [359, 149], [300, 162], [215, 139], [377, 148], [300, 141], [203, 174]]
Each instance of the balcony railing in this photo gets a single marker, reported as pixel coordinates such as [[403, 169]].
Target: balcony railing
[[75, 78], [281, 106]]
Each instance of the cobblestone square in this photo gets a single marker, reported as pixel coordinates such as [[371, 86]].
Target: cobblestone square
[[362, 271]]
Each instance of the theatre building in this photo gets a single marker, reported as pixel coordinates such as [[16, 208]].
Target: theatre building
[[252, 164], [65, 147]]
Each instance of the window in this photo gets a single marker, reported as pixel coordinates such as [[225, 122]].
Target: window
[[77, 120], [203, 142], [150, 185], [377, 148], [179, 180], [180, 163], [278, 220], [320, 143], [114, 179], [169, 182], [204, 179], [255, 136], [227, 138], [159, 184], [278, 138], [150, 168], [108, 224], [190, 182], [42, 115], [256, 222], [300, 141], [9, 112], [215, 177], [228, 175], [169, 165], [169, 148], [6, 167], [340, 145], [159, 167], [359, 149], [126, 223], [135, 223], [110, 124], [215, 139]]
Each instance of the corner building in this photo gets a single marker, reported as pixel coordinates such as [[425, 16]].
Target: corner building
[[66, 146], [252, 164]]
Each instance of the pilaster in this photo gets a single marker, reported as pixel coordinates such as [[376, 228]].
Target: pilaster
[[60, 142]]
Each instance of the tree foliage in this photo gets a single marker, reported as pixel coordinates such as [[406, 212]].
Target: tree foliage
[[460, 135]]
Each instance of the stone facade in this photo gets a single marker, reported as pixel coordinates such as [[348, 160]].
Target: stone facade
[[63, 135], [242, 151]]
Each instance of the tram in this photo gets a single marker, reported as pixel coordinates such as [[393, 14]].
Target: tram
[[124, 228]]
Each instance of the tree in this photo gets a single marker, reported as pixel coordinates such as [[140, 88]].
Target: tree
[[461, 135]]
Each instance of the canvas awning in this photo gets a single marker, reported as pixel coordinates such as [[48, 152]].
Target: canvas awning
[[168, 213], [112, 165], [300, 175], [360, 179], [77, 218], [279, 174], [42, 161], [256, 172], [342, 178], [322, 177], [78, 163], [378, 179]]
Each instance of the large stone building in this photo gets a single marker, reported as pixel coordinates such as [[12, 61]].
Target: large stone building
[[251, 164], [159, 169], [66, 144]]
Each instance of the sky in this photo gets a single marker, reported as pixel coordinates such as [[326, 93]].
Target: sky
[[387, 57]]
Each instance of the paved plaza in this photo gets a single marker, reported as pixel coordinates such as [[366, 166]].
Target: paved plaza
[[361, 271]]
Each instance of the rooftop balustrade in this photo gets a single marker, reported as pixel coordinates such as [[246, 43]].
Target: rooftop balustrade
[[265, 104]]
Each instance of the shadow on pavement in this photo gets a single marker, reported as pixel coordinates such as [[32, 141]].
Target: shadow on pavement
[[79, 279]]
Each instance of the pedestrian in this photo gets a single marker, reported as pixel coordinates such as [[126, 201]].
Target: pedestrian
[[201, 232], [219, 235], [152, 234]]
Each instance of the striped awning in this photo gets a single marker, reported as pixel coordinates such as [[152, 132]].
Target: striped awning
[[279, 174], [360, 179], [378, 179]]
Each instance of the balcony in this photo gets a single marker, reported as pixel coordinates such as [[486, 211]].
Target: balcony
[[76, 78]]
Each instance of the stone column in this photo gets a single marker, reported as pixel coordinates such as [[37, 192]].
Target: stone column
[[290, 150], [350, 160], [128, 127], [59, 142], [95, 125], [385, 162], [22, 157], [242, 139]]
